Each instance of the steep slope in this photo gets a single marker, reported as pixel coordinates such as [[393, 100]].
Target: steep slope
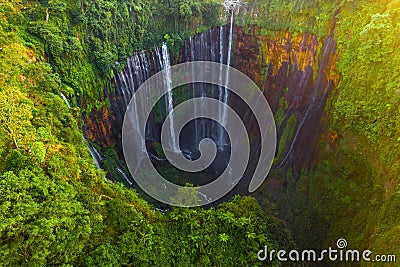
[[351, 189], [56, 208]]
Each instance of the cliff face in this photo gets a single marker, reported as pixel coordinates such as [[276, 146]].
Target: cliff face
[[297, 73], [103, 125], [99, 127]]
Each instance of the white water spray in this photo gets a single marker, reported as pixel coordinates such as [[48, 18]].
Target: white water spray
[[65, 100], [166, 64], [224, 92], [97, 158]]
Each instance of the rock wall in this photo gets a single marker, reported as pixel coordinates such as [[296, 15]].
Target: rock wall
[[297, 73]]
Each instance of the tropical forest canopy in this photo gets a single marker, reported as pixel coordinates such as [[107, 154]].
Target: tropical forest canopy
[[56, 208]]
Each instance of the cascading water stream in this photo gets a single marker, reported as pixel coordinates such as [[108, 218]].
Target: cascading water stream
[[65, 100], [97, 158], [223, 91], [215, 45], [166, 65], [318, 97], [123, 175], [196, 124], [220, 88]]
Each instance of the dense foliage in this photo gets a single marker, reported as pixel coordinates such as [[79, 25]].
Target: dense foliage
[[353, 191], [56, 208], [364, 169], [292, 15]]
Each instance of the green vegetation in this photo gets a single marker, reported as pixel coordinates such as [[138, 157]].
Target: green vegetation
[[81, 40], [353, 191], [366, 113], [56, 209], [292, 15]]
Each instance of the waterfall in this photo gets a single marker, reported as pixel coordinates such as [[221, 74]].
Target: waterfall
[[166, 65], [123, 175], [214, 45], [196, 124], [228, 62], [223, 91], [97, 158], [136, 72], [65, 100], [140, 67], [220, 88], [204, 55], [317, 94]]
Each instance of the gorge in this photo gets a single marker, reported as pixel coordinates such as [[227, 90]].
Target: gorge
[[68, 72], [296, 69]]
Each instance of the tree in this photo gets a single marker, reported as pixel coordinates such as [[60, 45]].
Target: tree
[[15, 117]]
